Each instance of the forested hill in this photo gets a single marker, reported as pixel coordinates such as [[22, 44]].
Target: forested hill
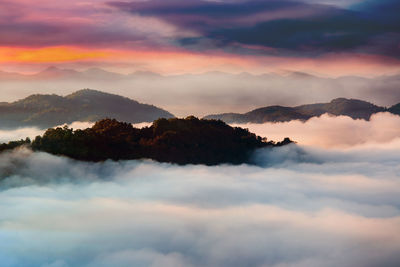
[[356, 109], [46, 111], [181, 141]]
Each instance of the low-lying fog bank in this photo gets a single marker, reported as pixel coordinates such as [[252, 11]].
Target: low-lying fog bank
[[333, 132], [335, 203], [303, 207]]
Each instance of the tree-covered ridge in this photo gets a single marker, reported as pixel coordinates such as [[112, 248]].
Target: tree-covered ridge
[[354, 108], [181, 141], [14, 144], [45, 111]]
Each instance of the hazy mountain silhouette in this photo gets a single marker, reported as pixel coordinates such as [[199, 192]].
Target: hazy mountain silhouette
[[55, 73], [354, 108], [206, 93], [395, 109], [85, 105]]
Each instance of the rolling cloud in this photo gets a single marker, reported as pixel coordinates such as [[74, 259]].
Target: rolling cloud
[[332, 200], [335, 132], [341, 210]]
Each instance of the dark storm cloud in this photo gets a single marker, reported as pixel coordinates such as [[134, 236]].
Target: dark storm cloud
[[293, 28], [206, 16]]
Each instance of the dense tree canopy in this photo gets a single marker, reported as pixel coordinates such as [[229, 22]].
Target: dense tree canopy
[[181, 141], [14, 144]]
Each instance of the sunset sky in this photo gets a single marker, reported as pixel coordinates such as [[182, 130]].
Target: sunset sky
[[347, 37]]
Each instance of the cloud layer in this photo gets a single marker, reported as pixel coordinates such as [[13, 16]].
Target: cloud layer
[[383, 129], [335, 212]]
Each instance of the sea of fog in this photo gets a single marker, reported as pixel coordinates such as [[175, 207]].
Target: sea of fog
[[333, 199]]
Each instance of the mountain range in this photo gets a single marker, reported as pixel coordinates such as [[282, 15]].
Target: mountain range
[[55, 73], [206, 93], [45, 111], [354, 108]]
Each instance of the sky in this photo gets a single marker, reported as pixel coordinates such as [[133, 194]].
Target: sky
[[360, 37]]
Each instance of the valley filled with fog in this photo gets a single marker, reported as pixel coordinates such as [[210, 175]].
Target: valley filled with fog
[[329, 200]]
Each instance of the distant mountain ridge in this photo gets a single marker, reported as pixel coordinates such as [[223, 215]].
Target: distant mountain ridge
[[45, 111], [52, 72], [354, 108], [206, 93]]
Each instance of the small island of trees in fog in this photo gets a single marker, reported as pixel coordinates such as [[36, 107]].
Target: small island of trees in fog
[[181, 141]]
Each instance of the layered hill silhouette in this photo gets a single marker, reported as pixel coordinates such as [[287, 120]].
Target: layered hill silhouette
[[209, 92], [45, 111], [354, 108], [181, 141], [54, 73]]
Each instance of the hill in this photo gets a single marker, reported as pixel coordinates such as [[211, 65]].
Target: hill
[[395, 109], [206, 93], [181, 141], [45, 111], [356, 109]]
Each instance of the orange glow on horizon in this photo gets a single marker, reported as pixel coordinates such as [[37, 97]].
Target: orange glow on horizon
[[160, 61], [47, 54], [180, 61]]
